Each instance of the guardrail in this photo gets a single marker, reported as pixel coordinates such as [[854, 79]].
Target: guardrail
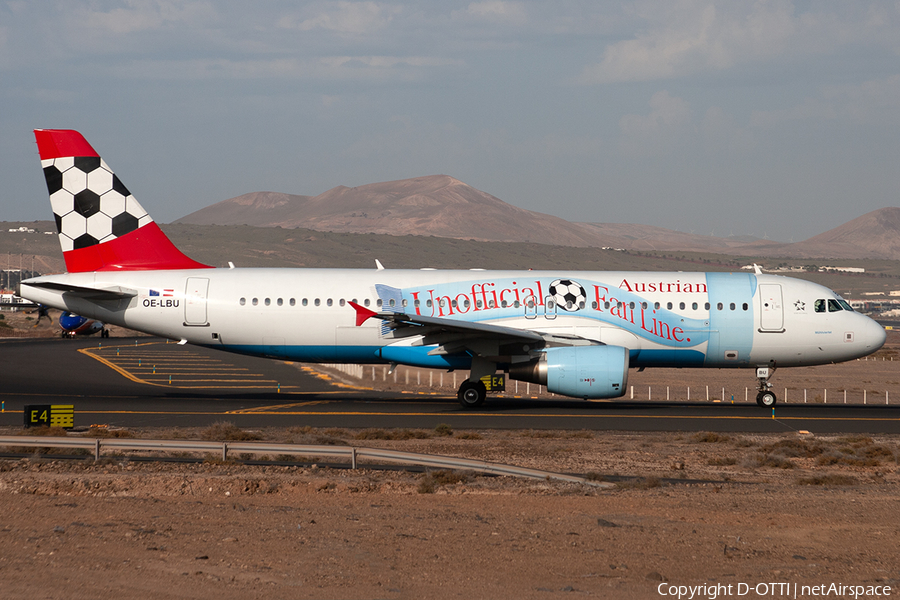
[[351, 453]]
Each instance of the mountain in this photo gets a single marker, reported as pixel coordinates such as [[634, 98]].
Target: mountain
[[260, 209], [874, 235], [441, 206], [436, 205]]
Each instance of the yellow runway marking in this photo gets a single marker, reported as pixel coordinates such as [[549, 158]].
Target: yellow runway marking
[[189, 371]]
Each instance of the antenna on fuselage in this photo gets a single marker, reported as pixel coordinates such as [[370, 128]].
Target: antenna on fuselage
[[378, 265]]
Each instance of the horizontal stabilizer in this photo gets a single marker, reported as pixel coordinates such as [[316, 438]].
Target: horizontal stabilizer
[[111, 293]]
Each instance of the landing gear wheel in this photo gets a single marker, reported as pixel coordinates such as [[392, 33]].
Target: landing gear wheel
[[471, 394], [766, 399]]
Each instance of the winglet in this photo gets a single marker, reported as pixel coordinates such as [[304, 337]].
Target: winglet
[[363, 314]]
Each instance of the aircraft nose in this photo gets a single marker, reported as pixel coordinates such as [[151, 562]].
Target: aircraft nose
[[874, 335]]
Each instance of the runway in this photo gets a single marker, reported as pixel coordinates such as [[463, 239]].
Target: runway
[[147, 382]]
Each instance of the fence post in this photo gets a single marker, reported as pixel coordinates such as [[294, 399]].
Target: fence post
[[353, 457], [224, 451], [97, 449]]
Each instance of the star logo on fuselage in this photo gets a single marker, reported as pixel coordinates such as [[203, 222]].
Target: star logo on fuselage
[[800, 305]]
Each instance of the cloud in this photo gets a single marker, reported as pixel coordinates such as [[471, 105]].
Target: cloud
[[137, 15], [497, 11], [372, 68], [354, 18], [656, 132], [688, 37]]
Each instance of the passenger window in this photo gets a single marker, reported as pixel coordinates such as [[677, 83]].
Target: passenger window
[[404, 303], [453, 303], [745, 306], [706, 306], [367, 302], [491, 304], [304, 302], [720, 306], [669, 305], [293, 302], [694, 306], [581, 304], [255, 301], [428, 303], [656, 305], [417, 303], [631, 305], [516, 304], [478, 304], [392, 302], [243, 301], [594, 304], [502, 304], [378, 302], [280, 302], [342, 302], [606, 305], [317, 302], [731, 306], [681, 305], [833, 306], [820, 305], [268, 301]]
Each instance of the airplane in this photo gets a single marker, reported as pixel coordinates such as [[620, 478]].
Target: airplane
[[73, 325], [576, 333]]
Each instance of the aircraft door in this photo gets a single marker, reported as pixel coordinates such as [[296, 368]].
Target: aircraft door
[[195, 294], [771, 316]]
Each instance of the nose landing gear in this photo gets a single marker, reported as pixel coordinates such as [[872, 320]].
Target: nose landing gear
[[765, 397]]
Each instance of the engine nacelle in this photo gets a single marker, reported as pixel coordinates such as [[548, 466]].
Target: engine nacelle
[[578, 371]]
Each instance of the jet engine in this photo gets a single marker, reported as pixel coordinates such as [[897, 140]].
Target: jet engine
[[578, 371]]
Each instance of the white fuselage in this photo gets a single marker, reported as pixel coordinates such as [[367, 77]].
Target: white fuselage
[[663, 319]]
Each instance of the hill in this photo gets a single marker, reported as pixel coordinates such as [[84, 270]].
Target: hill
[[441, 206], [875, 235]]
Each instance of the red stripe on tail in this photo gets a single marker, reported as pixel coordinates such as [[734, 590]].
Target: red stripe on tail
[[145, 249]]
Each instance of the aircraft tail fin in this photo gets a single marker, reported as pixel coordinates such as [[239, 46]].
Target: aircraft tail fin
[[101, 225]]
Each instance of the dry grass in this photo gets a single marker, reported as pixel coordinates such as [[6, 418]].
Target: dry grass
[[225, 431]]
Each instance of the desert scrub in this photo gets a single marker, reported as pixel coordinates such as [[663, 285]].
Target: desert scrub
[[721, 461], [398, 434], [829, 479], [225, 431], [709, 437], [435, 479]]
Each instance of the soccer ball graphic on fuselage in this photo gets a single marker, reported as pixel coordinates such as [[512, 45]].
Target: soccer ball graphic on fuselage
[[577, 333]]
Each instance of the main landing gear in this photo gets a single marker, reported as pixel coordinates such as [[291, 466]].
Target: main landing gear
[[765, 397]]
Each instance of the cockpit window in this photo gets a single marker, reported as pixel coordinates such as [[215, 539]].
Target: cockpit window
[[845, 304], [833, 305], [820, 305]]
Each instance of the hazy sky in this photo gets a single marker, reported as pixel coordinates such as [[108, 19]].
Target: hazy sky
[[772, 117]]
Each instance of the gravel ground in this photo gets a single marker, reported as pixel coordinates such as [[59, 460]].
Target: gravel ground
[[685, 509]]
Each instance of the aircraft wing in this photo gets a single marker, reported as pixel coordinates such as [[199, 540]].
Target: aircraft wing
[[454, 336]]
